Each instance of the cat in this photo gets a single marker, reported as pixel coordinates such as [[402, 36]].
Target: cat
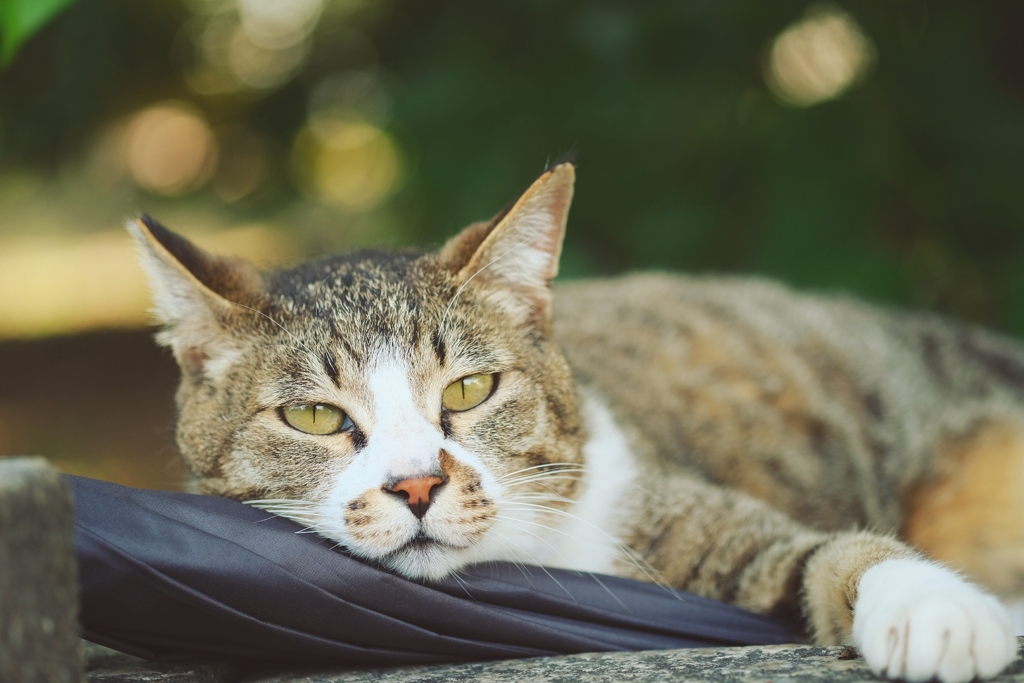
[[801, 456]]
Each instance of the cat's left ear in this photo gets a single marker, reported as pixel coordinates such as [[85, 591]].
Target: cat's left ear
[[200, 299], [519, 250]]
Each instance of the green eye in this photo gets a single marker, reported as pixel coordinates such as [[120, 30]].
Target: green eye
[[468, 392], [315, 418]]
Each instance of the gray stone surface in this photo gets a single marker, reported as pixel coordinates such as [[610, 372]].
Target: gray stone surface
[[103, 665], [38, 582], [773, 664], [777, 664]]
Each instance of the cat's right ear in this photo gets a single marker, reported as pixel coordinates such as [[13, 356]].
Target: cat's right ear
[[197, 297], [518, 251]]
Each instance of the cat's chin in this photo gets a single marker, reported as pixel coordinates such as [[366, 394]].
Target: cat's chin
[[428, 559]]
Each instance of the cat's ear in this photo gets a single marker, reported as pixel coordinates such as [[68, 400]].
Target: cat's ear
[[198, 298], [519, 250]]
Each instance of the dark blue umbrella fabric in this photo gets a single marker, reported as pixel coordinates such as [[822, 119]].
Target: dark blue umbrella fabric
[[171, 575]]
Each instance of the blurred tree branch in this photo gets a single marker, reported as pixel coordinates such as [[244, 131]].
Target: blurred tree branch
[[19, 19]]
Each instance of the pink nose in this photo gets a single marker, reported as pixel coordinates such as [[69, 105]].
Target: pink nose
[[417, 492]]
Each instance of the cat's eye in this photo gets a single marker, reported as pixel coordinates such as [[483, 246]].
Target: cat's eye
[[468, 392], [316, 418]]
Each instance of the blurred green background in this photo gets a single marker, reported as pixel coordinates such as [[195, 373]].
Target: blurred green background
[[871, 147]]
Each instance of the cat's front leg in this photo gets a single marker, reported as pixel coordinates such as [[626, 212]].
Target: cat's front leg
[[910, 618], [916, 621]]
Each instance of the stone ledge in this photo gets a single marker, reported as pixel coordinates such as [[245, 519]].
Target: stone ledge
[[38, 580], [775, 664], [103, 665], [770, 664]]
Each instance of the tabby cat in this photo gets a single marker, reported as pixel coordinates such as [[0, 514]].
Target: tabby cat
[[807, 457]]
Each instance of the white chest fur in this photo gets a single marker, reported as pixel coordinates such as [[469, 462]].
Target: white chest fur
[[588, 537]]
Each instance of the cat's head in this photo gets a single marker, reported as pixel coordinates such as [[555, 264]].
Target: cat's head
[[409, 406]]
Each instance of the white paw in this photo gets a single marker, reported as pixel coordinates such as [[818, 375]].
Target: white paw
[[917, 621]]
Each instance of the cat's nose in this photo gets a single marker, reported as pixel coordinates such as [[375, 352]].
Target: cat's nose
[[417, 492]]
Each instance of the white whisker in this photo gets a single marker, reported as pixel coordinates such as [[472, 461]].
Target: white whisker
[[302, 512], [540, 566], [639, 562], [513, 561], [282, 327], [540, 496], [458, 292], [557, 466], [464, 585], [565, 472], [278, 501], [541, 477], [590, 574]]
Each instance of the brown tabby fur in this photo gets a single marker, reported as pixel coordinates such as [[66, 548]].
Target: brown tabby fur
[[785, 442]]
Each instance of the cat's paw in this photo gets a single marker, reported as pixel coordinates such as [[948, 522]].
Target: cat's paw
[[917, 621]]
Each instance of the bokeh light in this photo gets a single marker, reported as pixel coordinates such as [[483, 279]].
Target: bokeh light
[[818, 58], [64, 284], [244, 163], [348, 162], [278, 24], [355, 92], [321, 111], [170, 149], [250, 44], [260, 67]]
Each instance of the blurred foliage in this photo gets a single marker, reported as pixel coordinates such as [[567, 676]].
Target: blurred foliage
[[19, 19], [907, 189]]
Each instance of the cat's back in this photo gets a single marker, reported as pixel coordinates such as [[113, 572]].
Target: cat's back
[[824, 406]]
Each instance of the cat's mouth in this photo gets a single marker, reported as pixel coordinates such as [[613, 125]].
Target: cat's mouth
[[424, 557], [422, 542]]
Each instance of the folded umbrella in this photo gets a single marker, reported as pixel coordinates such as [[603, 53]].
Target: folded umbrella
[[171, 575]]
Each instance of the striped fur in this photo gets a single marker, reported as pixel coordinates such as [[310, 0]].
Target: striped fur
[[725, 436]]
